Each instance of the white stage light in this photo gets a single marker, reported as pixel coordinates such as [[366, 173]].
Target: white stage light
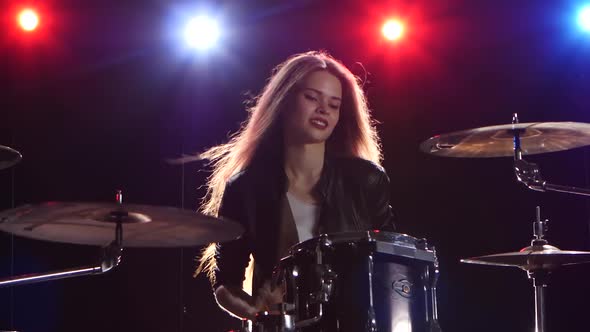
[[202, 32]]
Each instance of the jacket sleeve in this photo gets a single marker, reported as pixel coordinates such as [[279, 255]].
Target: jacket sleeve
[[378, 201], [232, 257]]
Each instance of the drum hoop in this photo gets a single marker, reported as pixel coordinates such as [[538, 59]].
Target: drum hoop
[[391, 243]]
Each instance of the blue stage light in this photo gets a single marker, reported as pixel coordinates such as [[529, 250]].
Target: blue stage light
[[584, 18]]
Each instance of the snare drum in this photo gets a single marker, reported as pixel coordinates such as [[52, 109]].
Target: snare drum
[[361, 281]]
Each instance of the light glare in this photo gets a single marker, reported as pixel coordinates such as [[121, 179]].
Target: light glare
[[28, 20], [584, 18], [202, 32], [393, 30]]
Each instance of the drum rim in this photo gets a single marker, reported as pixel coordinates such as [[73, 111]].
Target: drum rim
[[370, 236]]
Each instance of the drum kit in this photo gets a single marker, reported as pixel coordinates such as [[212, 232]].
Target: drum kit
[[359, 281]]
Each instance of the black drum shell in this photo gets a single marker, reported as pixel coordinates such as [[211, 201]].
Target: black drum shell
[[382, 282]]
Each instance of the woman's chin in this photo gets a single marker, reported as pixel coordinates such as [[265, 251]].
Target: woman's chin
[[308, 142]]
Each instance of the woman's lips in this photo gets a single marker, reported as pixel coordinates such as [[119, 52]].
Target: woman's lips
[[319, 123]]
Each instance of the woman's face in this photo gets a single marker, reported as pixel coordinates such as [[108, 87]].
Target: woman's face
[[316, 109]]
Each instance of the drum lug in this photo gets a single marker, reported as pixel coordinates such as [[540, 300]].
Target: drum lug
[[372, 321], [327, 277]]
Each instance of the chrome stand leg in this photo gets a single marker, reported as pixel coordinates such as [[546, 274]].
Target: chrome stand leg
[[540, 285]]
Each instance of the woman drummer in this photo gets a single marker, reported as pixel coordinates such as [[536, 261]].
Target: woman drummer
[[306, 162]]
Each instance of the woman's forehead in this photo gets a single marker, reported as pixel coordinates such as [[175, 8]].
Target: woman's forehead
[[323, 82]]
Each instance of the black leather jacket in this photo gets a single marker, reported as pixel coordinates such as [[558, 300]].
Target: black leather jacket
[[354, 197]]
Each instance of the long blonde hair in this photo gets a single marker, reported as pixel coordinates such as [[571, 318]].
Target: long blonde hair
[[354, 136]]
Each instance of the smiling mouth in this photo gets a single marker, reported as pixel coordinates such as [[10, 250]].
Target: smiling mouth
[[319, 123]]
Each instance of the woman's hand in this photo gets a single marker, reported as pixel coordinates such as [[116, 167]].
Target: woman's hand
[[238, 303], [267, 297]]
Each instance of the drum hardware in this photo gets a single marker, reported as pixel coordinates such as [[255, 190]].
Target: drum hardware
[[516, 139], [327, 278], [371, 324], [273, 322], [95, 223], [111, 257], [529, 173], [498, 141], [538, 260], [336, 266], [270, 321], [432, 309], [9, 157], [146, 226], [347, 282]]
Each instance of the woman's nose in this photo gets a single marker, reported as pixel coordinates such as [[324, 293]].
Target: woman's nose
[[322, 109]]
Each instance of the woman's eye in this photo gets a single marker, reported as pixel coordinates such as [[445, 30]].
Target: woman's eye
[[335, 107], [310, 97]]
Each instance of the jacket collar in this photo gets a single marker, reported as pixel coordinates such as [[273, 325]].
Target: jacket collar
[[268, 169]]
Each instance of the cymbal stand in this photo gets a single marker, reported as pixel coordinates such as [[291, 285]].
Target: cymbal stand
[[111, 257], [529, 173], [539, 276]]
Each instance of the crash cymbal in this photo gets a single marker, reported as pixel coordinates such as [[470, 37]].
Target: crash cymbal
[[94, 224], [533, 258], [8, 157], [498, 141]]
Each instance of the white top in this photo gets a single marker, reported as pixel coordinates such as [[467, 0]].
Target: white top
[[306, 216]]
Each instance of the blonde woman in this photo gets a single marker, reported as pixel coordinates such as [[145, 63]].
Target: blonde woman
[[306, 162]]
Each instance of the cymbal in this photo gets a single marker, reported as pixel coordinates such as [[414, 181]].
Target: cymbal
[[94, 224], [533, 258], [497, 141], [8, 157]]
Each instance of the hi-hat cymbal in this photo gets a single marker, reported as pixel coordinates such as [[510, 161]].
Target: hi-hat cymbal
[[498, 141], [8, 157], [533, 258], [94, 224]]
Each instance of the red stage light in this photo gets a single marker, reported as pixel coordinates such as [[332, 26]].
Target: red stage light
[[393, 30], [28, 19]]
